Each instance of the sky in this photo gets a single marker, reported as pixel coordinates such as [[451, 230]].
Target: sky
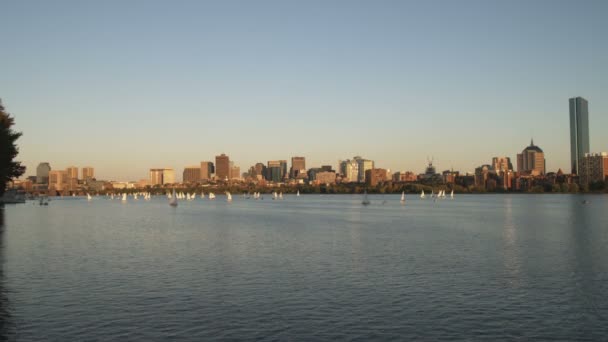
[[125, 86]]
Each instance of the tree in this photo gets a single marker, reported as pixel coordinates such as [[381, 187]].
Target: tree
[[9, 168]]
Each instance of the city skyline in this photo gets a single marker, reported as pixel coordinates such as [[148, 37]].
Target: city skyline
[[461, 82]]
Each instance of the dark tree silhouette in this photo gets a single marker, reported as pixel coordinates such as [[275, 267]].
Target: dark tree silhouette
[[9, 169]]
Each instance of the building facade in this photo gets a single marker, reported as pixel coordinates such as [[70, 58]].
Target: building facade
[[502, 164], [579, 131], [191, 174], [325, 177], [42, 173], [88, 173], [375, 176], [298, 166], [531, 161], [593, 167], [222, 167], [207, 170], [58, 180], [162, 176]]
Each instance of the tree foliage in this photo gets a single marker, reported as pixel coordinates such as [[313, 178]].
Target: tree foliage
[[9, 168]]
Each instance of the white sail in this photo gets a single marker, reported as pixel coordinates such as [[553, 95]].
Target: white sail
[[188, 197], [280, 195], [452, 194], [89, 197], [211, 195], [298, 194], [403, 196], [135, 196], [124, 197], [173, 200], [365, 199], [422, 195], [193, 195], [228, 197]]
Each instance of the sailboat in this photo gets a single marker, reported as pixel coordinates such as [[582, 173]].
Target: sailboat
[[228, 197], [274, 195], [298, 194], [173, 200], [422, 195], [452, 194], [211, 196], [280, 195], [89, 197], [365, 199], [124, 197], [403, 197]]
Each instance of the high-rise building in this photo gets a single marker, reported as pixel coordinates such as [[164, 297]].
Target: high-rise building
[[168, 176], [42, 173], [88, 173], [531, 160], [284, 173], [364, 165], [191, 174], [162, 176], [207, 170], [58, 180], [156, 176], [349, 169], [579, 131], [72, 172], [235, 172], [298, 166], [274, 172], [222, 167], [593, 167], [501, 164]]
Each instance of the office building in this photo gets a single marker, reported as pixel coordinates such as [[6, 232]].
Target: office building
[[207, 170], [72, 172], [162, 176], [88, 173], [375, 176], [593, 167], [274, 171], [42, 173], [325, 177], [298, 166], [222, 167], [58, 180], [579, 131], [501, 164], [191, 174], [235, 172], [531, 161]]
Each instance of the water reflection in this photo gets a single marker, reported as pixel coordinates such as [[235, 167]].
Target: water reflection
[[4, 311], [511, 259]]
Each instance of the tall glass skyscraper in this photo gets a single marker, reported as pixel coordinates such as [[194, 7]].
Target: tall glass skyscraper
[[579, 131]]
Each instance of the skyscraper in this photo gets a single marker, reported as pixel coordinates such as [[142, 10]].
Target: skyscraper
[[192, 174], [298, 166], [531, 160], [579, 131], [72, 172], [274, 171], [222, 167], [88, 173], [42, 173], [207, 170], [162, 176]]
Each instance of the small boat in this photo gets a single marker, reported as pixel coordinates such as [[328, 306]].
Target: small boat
[[298, 194], [211, 196], [124, 197], [585, 202], [173, 200], [422, 195], [89, 197], [365, 199], [228, 197], [403, 197], [452, 195], [280, 195], [274, 195]]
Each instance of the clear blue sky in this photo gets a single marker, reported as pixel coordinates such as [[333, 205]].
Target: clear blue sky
[[128, 85]]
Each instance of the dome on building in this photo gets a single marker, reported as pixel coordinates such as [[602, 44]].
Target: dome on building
[[533, 147]]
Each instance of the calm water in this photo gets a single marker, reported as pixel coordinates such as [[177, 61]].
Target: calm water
[[482, 267]]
